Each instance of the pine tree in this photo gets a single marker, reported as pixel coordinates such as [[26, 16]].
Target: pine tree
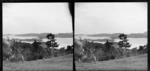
[[124, 42], [51, 43]]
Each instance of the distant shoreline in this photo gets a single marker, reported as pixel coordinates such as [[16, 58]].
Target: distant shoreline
[[115, 35]]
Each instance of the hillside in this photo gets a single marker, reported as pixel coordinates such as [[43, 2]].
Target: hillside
[[115, 35], [42, 35], [57, 63], [131, 63]]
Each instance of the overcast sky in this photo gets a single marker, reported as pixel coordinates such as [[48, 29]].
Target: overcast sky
[[20, 18], [93, 18]]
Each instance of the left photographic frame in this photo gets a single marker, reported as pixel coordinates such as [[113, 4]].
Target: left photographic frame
[[37, 36]]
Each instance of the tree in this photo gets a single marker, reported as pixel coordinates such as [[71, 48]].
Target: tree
[[134, 50], [51, 43], [107, 46], [62, 51], [141, 48], [124, 42], [69, 49], [35, 46]]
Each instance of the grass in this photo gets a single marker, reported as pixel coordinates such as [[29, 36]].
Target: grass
[[56, 63], [135, 63]]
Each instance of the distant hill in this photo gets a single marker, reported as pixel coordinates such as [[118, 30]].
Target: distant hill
[[43, 35], [65, 35], [29, 34], [137, 35], [115, 35], [7, 34]]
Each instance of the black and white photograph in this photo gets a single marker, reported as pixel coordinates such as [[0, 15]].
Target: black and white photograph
[[111, 36], [37, 36]]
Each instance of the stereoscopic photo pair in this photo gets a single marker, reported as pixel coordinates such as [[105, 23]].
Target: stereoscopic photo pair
[[75, 36]]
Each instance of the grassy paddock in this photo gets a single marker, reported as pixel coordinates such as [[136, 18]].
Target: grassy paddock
[[135, 63], [58, 64]]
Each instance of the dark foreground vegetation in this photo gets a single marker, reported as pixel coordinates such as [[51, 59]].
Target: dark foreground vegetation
[[19, 51], [86, 51]]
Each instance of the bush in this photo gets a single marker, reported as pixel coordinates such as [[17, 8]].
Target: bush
[[142, 50], [78, 53], [69, 50], [87, 60], [32, 51], [101, 51], [7, 50]]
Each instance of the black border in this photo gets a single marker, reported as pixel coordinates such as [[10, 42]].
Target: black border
[[36, 0], [1, 62], [74, 0], [73, 10], [111, 0], [148, 30]]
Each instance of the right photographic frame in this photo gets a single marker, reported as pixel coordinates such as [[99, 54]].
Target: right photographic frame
[[111, 36]]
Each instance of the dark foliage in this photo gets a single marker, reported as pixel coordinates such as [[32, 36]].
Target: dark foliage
[[142, 49], [26, 51], [69, 49], [104, 51], [124, 41], [101, 51], [51, 43]]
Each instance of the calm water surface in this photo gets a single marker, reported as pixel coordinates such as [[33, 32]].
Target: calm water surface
[[63, 42], [135, 42]]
